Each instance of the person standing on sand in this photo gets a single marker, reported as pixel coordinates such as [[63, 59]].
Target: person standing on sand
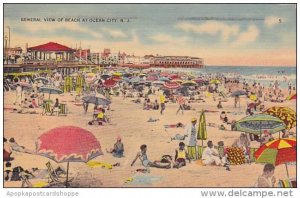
[[162, 99], [267, 179], [180, 101], [192, 139], [18, 94]]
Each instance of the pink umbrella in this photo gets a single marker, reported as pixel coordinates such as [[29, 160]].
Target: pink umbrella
[[172, 85], [110, 83], [152, 78], [68, 144]]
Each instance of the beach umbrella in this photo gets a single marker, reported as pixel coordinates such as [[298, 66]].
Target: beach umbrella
[[152, 78], [68, 144], [253, 97], [127, 75], [158, 83], [177, 80], [24, 85], [215, 81], [279, 151], [292, 97], [238, 93], [50, 90], [116, 78], [287, 115], [135, 80], [202, 133], [110, 83], [163, 79], [44, 80], [117, 74], [97, 100], [189, 83], [257, 123], [173, 76], [172, 85], [105, 76]]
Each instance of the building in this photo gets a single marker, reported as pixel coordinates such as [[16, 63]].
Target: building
[[51, 52], [177, 61], [12, 55]]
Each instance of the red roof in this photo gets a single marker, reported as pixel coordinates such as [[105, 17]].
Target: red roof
[[51, 46]]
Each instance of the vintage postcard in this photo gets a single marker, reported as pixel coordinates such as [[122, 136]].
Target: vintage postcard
[[149, 95]]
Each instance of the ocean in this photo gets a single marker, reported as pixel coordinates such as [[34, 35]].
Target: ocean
[[262, 74]]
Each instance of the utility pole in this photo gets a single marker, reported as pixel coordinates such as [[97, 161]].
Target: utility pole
[[8, 27]]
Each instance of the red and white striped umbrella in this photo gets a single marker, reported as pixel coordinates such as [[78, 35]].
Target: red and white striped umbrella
[[172, 85]]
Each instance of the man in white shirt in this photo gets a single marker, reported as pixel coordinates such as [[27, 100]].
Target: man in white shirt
[[211, 156]]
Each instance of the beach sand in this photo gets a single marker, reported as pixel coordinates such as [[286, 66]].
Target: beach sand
[[130, 122]]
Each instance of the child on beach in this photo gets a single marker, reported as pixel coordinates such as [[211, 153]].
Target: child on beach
[[142, 155], [180, 156]]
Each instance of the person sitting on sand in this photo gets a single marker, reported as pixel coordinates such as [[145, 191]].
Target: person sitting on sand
[[142, 155], [7, 171], [55, 107], [155, 105], [223, 117], [33, 104], [118, 149], [211, 156], [267, 179], [180, 156], [7, 150], [16, 147]]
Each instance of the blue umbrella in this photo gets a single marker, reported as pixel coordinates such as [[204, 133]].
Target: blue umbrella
[[96, 100], [163, 79], [238, 93], [50, 90], [135, 80]]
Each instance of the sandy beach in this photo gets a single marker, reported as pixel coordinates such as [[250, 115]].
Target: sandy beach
[[129, 121]]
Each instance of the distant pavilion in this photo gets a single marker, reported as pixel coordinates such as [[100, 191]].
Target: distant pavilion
[[51, 51]]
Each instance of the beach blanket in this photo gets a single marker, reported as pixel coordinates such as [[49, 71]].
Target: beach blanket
[[142, 179], [235, 155], [40, 184], [178, 125], [94, 164]]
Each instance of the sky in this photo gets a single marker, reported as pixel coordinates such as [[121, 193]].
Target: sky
[[221, 34]]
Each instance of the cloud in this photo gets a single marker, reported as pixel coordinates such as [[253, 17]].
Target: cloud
[[115, 33], [270, 21], [249, 36], [164, 38], [211, 28]]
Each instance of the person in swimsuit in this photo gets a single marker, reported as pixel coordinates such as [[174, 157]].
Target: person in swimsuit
[[180, 156], [142, 155]]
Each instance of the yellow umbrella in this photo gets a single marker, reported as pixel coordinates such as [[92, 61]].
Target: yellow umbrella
[[117, 74], [253, 97], [214, 81]]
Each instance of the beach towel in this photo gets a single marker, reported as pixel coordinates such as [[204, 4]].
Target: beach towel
[[40, 184], [142, 180], [174, 125], [235, 155], [192, 152], [94, 164], [287, 183]]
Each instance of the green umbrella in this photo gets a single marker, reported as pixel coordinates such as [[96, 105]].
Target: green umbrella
[[255, 124], [202, 133]]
